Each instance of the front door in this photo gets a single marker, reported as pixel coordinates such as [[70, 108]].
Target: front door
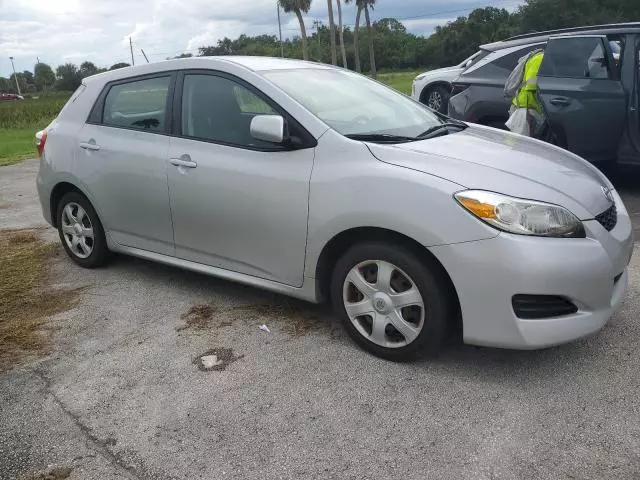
[[122, 153], [579, 86], [237, 203]]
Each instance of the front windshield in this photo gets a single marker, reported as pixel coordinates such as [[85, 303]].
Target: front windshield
[[353, 104]]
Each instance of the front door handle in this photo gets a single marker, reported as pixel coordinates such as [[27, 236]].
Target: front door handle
[[183, 161], [561, 101], [90, 145]]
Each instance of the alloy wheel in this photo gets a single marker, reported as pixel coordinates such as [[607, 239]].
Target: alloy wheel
[[435, 100], [383, 303], [77, 230]]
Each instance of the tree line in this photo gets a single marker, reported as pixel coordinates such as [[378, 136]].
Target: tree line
[[389, 45]]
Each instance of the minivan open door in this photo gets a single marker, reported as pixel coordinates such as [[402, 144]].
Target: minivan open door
[[583, 98]]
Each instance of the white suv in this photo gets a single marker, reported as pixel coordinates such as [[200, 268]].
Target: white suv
[[433, 88]]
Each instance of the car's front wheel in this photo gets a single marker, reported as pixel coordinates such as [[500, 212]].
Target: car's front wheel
[[81, 232], [393, 303], [437, 98]]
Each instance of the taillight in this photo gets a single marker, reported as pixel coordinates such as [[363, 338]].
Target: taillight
[[457, 88], [41, 139]]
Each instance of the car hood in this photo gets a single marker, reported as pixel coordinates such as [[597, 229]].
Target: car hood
[[442, 71], [488, 159]]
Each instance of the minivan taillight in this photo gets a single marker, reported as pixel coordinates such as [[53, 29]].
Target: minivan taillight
[[457, 88], [41, 139]]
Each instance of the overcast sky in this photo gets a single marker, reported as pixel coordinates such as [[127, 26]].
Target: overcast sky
[[60, 31]]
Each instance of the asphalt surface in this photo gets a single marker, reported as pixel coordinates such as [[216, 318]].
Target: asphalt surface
[[120, 396]]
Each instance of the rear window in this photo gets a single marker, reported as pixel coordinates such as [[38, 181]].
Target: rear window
[[501, 67], [139, 104]]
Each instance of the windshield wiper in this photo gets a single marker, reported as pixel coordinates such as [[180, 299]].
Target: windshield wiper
[[379, 137], [442, 129]]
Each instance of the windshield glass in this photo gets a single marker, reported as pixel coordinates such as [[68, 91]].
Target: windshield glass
[[352, 104]]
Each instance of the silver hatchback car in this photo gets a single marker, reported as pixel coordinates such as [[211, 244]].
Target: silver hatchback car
[[316, 182]]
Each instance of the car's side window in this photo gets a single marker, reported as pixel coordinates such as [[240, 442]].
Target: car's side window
[[218, 109], [139, 104], [579, 57]]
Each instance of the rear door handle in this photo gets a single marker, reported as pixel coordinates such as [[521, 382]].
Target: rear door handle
[[89, 146], [561, 101], [183, 161]]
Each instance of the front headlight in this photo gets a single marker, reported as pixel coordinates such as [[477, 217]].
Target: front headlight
[[523, 217]]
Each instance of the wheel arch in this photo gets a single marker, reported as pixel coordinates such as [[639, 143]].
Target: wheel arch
[[344, 240], [59, 191], [430, 86]]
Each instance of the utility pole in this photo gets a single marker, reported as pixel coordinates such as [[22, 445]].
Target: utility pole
[[144, 55], [280, 30], [131, 48], [15, 76], [38, 58]]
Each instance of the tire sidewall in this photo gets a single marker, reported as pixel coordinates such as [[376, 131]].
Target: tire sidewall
[[100, 251], [427, 280]]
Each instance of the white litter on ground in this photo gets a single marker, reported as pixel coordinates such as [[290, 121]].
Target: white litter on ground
[[210, 361], [264, 328]]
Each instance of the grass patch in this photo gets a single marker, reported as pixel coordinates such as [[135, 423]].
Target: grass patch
[[20, 120], [401, 81], [25, 300], [17, 144]]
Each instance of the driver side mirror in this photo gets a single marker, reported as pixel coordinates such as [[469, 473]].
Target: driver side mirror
[[268, 128]]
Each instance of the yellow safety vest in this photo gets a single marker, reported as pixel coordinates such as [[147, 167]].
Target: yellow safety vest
[[527, 96]]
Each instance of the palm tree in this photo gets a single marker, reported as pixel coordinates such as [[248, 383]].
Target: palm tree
[[332, 33], [297, 7], [369, 4], [356, 33], [341, 32]]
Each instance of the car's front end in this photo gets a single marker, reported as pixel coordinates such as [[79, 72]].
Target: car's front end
[[557, 268]]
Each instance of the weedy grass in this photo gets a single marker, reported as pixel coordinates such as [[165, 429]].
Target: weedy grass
[[25, 299]]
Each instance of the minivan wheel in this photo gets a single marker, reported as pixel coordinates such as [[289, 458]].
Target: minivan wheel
[[81, 232], [393, 304]]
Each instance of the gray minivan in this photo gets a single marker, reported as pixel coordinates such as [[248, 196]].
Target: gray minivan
[[588, 86]]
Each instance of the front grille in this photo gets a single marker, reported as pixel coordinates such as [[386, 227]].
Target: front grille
[[541, 306], [609, 218]]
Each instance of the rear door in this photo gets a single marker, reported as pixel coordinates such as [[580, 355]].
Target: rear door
[[583, 97], [122, 152]]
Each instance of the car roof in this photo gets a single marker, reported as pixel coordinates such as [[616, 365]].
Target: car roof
[[537, 37], [256, 64]]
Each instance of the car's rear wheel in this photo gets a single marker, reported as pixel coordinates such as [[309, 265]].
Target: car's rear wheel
[[392, 303], [81, 232], [437, 98]]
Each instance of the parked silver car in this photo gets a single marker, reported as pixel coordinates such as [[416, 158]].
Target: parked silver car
[[319, 183]]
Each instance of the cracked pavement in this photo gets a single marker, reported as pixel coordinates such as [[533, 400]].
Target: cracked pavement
[[119, 396]]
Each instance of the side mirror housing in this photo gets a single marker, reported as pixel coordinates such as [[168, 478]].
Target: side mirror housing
[[268, 128]]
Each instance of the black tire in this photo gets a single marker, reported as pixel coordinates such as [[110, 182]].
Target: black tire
[[99, 254], [427, 277], [441, 92]]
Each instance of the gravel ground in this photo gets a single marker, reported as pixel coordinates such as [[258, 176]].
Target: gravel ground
[[122, 394]]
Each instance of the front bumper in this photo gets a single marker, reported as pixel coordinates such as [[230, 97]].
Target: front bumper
[[488, 273]]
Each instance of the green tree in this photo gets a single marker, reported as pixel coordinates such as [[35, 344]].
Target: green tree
[[68, 77], [368, 5], [356, 32], [298, 7], [87, 69], [332, 32], [341, 34], [43, 77], [116, 66]]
